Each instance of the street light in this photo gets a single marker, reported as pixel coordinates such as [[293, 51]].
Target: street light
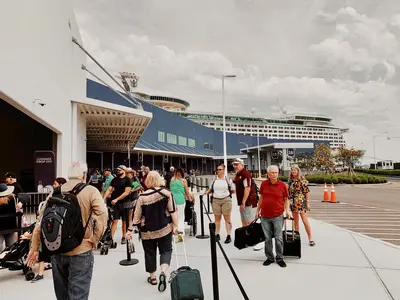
[[223, 119], [258, 149], [373, 144]]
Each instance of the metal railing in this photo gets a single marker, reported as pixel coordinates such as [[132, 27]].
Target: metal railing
[[31, 208]]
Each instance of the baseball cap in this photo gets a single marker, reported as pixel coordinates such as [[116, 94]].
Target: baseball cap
[[122, 168], [128, 170], [10, 175], [238, 161]]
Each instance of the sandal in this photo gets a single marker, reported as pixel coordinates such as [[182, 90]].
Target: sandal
[[311, 243], [152, 281], [163, 283]]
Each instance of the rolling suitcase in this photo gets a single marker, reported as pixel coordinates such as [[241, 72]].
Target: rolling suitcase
[[185, 281], [291, 241]]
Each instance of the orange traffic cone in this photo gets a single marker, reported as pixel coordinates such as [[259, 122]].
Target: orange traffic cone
[[326, 195], [333, 194]]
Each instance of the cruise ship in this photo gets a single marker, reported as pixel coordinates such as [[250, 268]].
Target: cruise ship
[[289, 127]]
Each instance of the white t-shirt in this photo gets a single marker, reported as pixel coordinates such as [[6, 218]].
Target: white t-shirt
[[221, 189]]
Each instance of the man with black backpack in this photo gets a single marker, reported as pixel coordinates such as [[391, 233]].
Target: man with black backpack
[[70, 227]]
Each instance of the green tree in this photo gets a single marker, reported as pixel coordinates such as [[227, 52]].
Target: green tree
[[349, 158], [305, 160], [323, 158]]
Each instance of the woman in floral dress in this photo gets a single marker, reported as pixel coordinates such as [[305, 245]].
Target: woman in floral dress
[[298, 195]]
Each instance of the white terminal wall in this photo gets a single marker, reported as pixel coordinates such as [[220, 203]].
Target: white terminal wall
[[39, 61]]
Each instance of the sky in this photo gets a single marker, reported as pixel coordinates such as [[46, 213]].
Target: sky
[[336, 58]]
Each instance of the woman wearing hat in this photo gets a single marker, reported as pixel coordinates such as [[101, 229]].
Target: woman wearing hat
[[7, 207]]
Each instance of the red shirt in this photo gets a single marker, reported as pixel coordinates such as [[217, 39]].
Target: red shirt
[[242, 180], [273, 198]]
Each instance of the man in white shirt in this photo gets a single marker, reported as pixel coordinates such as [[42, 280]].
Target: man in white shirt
[[222, 189]]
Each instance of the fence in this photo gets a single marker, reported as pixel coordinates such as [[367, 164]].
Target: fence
[[31, 207]]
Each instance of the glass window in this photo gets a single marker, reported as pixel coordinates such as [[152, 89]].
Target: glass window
[[191, 143], [182, 141], [171, 138], [161, 136]]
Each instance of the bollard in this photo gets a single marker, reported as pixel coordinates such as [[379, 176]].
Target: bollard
[[202, 183], [202, 236], [128, 261], [214, 264]]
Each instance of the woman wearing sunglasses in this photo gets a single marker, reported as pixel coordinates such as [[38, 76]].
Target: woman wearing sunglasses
[[222, 189]]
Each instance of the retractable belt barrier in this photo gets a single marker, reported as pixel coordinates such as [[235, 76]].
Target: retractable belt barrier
[[214, 263]]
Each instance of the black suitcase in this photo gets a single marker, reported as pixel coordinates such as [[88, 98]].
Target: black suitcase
[[291, 241], [249, 236], [185, 281]]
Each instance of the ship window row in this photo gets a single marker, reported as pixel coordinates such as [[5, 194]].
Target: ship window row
[[174, 139], [255, 127]]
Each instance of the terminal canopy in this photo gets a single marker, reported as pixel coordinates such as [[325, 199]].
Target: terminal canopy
[[111, 127]]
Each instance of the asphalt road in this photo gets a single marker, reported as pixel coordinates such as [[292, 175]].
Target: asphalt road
[[373, 210]]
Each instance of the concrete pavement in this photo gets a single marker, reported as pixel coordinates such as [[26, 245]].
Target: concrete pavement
[[342, 265]]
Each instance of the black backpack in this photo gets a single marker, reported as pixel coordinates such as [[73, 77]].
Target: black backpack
[[62, 228], [256, 189]]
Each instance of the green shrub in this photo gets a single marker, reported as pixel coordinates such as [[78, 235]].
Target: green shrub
[[283, 178], [335, 180], [379, 172], [364, 180], [357, 180], [340, 178], [372, 179]]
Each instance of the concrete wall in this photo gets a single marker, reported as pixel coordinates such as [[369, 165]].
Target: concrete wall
[[39, 61]]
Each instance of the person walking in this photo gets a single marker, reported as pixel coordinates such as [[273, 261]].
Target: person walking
[[222, 189], [72, 271], [157, 219], [298, 195], [180, 191], [7, 207], [273, 203]]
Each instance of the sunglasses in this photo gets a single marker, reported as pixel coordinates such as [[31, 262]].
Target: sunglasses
[[220, 169]]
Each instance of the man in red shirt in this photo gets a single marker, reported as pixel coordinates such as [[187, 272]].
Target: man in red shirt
[[245, 192], [274, 201]]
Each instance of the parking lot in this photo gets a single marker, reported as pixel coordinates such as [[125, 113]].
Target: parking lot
[[373, 210]]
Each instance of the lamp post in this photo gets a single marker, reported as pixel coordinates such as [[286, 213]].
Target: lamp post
[[258, 149], [373, 144], [223, 120]]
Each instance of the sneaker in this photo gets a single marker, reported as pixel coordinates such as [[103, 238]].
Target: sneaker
[[180, 238], [259, 246], [37, 278], [123, 241], [268, 262], [281, 263], [217, 237], [228, 239]]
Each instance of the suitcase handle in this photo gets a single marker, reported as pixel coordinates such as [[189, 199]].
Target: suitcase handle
[[284, 221], [176, 252]]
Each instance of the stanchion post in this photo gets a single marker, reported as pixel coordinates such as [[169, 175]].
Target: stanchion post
[[208, 212], [198, 184], [202, 236], [214, 264], [129, 261]]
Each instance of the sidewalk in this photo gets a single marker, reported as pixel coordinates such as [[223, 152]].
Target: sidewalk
[[336, 268]]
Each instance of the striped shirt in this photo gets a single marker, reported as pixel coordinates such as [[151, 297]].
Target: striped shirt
[[153, 213]]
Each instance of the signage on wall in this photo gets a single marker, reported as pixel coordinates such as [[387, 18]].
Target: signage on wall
[[44, 170], [290, 152]]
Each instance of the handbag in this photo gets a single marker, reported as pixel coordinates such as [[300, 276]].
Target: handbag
[[249, 236]]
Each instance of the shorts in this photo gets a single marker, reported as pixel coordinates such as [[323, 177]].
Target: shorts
[[222, 206], [249, 214], [43, 257], [119, 210]]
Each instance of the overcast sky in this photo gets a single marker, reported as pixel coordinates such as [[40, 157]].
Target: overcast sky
[[332, 57]]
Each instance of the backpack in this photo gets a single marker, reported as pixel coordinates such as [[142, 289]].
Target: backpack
[[227, 182], [62, 228], [256, 189]]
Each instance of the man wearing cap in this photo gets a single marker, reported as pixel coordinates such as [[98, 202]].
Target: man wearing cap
[[245, 192], [11, 180], [7, 207], [119, 189]]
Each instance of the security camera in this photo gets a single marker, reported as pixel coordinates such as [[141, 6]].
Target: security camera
[[42, 104]]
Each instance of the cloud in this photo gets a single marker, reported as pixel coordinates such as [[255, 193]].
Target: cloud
[[339, 61]]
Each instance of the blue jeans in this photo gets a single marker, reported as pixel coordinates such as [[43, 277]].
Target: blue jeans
[[272, 228], [72, 275]]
